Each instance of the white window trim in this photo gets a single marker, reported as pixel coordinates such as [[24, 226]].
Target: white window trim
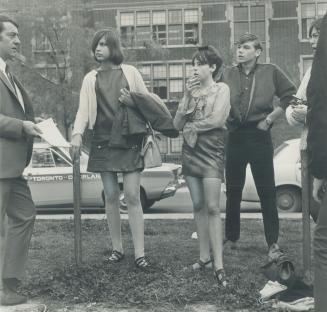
[[216, 21], [268, 12], [299, 15], [302, 58], [150, 10], [182, 62]]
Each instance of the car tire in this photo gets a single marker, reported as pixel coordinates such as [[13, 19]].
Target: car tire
[[146, 204], [288, 199]]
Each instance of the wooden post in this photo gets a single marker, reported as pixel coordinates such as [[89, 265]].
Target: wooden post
[[77, 210], [306, 195]]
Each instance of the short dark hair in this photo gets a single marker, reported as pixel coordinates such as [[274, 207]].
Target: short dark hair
[[4, 19], [112, 41], [315, 24], [251, 37], [208, 55]]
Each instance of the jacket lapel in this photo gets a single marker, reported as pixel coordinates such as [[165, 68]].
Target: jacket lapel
[[7, 83], [10, 87], [29, 112]]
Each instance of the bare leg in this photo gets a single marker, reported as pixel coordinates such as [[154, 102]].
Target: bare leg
[[212, 188], [200, 215], [135, 213], [111, 189]]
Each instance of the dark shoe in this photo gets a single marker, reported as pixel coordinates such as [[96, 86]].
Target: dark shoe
[[9, 298], [142, 263], [116, 256], [201, 265], [230, 244], [221, 277], [274, 253]]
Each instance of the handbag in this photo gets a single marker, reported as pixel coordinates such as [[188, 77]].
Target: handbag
[[150, 150]]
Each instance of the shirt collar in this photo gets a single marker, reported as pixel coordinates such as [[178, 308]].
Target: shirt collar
[[2, 65], [251, 71]]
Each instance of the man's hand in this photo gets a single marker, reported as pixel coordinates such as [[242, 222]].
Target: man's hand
[[263, 125], [317, 185], [76, 144], [299, 113], [126, 97], [31, 129]]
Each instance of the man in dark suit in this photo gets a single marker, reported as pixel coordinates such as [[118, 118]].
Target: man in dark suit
[[17, 129], [317, 152]]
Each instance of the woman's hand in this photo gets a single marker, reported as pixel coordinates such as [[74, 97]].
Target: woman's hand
[[299, 113], [126, 98], [192, 84], [76, 144]]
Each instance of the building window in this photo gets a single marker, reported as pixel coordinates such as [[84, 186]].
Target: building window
[[306, 63], [159, 28], [251, 18], [176, 144], [166, 80], [309, 12], [162, 143], [166, 27], [42, 42]]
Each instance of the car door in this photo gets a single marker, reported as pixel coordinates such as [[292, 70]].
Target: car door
[[50, 178]]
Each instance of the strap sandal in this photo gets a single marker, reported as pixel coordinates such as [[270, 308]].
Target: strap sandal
[[142, 263], [221, 277], [116, 256], [201, 265]]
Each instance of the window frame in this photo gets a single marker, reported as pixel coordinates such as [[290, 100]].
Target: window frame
[[168, 78], [167, 24], [304, 57], [249, 20], [300, 3]]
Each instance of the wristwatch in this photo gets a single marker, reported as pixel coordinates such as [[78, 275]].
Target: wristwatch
[[268, 121]]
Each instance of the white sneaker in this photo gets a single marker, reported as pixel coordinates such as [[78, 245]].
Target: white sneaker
[[270, 289]]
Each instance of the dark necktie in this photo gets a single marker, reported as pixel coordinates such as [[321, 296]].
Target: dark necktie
[[10, 77]]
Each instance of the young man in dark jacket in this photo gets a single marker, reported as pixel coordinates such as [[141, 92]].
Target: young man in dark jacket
[[317, 151], [253, 87]]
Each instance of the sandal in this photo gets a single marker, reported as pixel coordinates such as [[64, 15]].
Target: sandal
[[116, 256], [142, 263], [221, 277], [201, 265]]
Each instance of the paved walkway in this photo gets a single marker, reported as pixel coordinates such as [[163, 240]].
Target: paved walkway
[[163, 216]]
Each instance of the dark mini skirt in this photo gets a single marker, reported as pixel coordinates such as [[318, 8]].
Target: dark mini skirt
[[104, 158], [207, 158]]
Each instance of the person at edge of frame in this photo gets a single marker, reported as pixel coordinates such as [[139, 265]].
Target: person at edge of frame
[[17, 129], [296, 112], [317, 156], [252, 89]]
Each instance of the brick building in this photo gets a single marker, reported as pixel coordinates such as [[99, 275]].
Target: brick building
[[160, 36]]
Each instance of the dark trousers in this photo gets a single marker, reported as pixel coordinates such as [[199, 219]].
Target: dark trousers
[[320, 259], [15, 233], [250, 145]]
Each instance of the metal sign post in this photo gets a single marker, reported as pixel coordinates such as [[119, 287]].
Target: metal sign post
[[306, 189], [77, 210]]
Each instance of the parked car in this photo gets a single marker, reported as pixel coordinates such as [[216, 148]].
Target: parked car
[[50, 176], [287, 177]]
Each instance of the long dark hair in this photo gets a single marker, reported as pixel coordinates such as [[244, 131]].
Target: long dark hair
[[112, 41]]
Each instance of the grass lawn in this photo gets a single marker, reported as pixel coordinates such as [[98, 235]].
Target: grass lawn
[[170, 286]]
